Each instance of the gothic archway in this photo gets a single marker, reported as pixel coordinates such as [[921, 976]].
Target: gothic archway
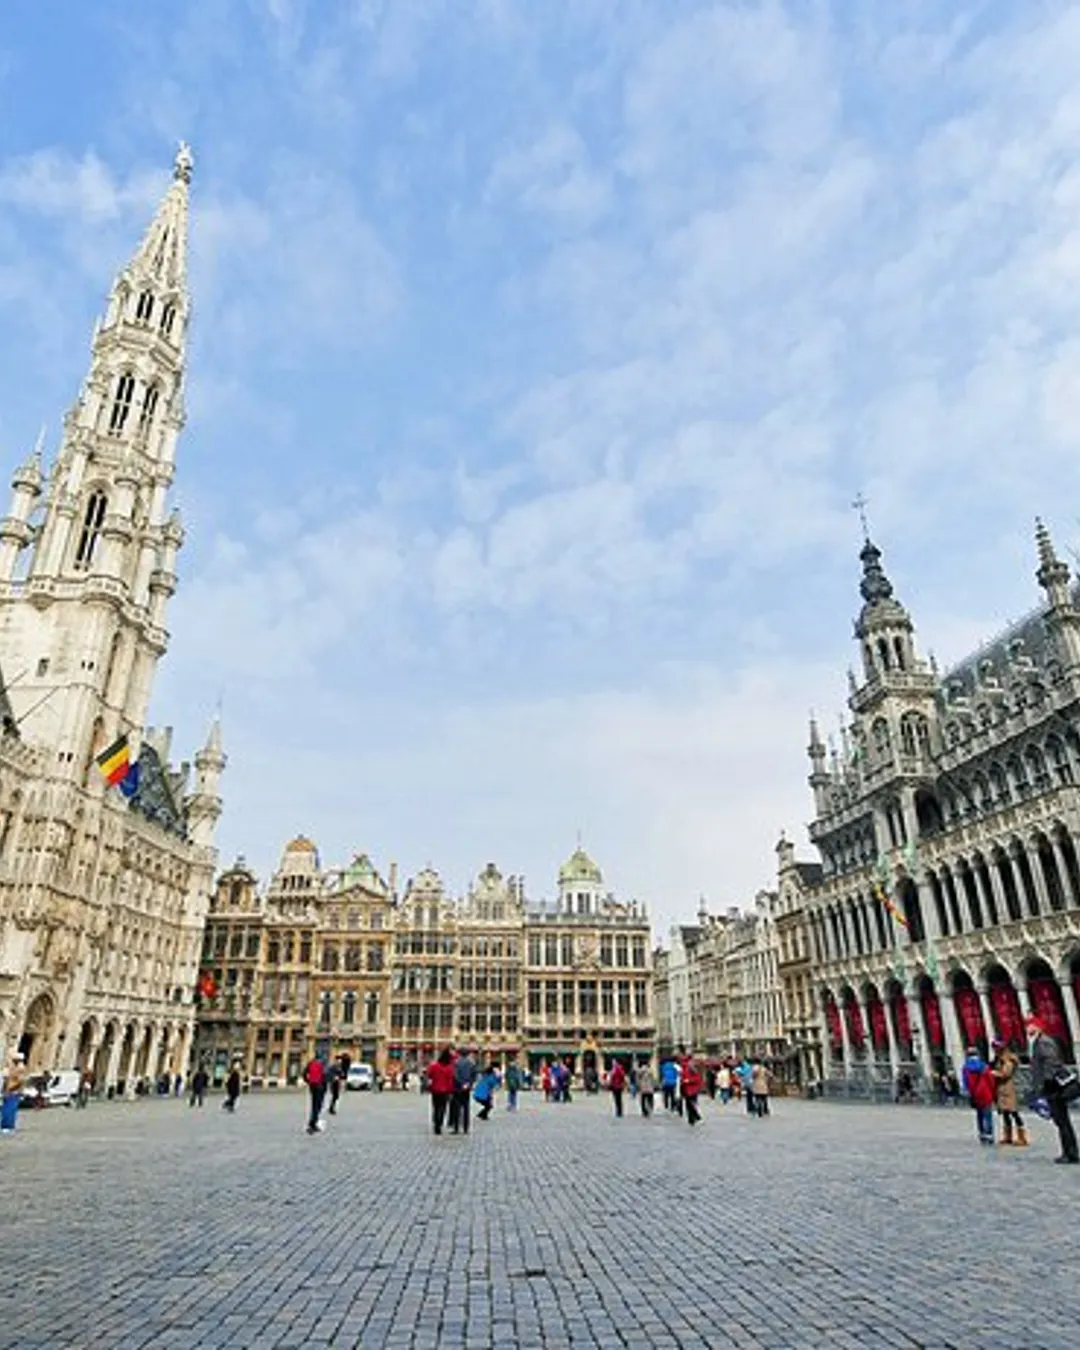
[[1044, 995], [35, 1043], [86, 1044], [1005, 1006]]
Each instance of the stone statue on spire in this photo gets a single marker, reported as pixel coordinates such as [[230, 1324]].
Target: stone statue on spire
[[184, 163]]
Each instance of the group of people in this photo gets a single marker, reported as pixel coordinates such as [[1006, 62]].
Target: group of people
[[454, 1080], [1054, 1086]]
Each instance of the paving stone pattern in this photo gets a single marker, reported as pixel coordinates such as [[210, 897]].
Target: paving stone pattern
[[150, 1225]]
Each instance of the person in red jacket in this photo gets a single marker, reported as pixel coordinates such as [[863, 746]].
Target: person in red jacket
[[315, 1078], [690, 1084], [440, 1076], [617, 1084]]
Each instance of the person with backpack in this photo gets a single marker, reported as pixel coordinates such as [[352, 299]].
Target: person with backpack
[[617, 1086], [1052, 1079], [691, 1084], [315, 1078], [979, 1086]]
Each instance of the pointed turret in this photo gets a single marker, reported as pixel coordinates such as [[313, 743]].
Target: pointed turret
[[1062, 617], [204, 804], [819, 777], [884, 627], [15, 529], [161, 258]]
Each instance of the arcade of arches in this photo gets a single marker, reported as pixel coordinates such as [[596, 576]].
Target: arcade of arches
[[877, 1029]]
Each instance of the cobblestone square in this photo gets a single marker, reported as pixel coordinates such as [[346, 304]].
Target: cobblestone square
[[151, 1224]]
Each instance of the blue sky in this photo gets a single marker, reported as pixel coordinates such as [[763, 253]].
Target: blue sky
[[538, 353]]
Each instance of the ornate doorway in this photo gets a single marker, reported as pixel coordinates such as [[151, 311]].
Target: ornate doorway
[[35, 1043]]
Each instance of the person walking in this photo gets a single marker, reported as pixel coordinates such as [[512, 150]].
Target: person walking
[[617, 1085], [646, 1088], [723, 1084], [1048, 1070], [464, 1081], [759, 1087], [336, 1076], [1004, 1067], [86, 1086], [745, 1073], [513, 1086], [232, 1088], [669, 1083], [315, 1078], [979, 1086], [690, 1086], [440, 1077], [484, 1092], [14, 1082], [199, 1080]]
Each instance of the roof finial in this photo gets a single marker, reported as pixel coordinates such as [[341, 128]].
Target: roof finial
[[183, 163], [860, 504]]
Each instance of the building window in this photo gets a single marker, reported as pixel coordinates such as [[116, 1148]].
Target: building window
[[348, 1009], [624, 998], [253, 943], [149, 407], [641, 999], [568, 949], [305, 949], [371, 1007], [326, 1008], [125, 391], [607, 998], [534, 998], [144, 307], [353, 957], [236, 943], [273, 952], [551, 999], [330, 957], [568, 999], [605, 950], [534, 950], [639, 953], [622, 950], [168, 317], [551, 950], [91, 530], [587, 998], [375, 956]]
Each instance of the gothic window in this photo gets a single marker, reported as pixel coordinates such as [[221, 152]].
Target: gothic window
[[149, 407], [91, 530], [1000, 784], [348, 1008], [125, 390], [144, 307], [883, 654], [1059, 760], [880, 732], [371, 1007], [1037, 765], [168, 317], [326, 1005], [898, 647]]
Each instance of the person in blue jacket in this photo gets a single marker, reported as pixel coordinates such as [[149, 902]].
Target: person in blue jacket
[[669, 1085], [484, 1092]]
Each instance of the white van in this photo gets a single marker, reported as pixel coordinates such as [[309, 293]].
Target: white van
[[360, 1078], [59, 1088]]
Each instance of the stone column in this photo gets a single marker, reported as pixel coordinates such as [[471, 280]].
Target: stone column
[[1063, 873], [1038, 878], [954, 1041], [987, 1011], [894, 1049], [998, 893], [918, 1031], [114, 1061], [846, 1041], [1068, 998]]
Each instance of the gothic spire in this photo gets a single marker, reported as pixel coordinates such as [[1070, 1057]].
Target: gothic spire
[[162, 255], [875, 585], [1053, 574]]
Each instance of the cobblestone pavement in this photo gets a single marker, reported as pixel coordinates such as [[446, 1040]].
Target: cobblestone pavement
[[150, 1224]]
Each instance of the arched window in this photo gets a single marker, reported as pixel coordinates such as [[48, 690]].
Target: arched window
[[883, 654], [898, 647], [880, 732], [91, 530], [371, 1007], [1059, 759], [348, 1008], [168, 317], [999, 784], [149, 407], [125, 390], [1037, 766], [907, 735], [144, 307], [326, 1008]]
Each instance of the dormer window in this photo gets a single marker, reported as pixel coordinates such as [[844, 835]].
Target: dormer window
[[144, 307], [125, 391], [91, 530]]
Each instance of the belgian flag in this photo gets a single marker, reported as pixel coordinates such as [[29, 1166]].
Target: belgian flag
[[115, 761]]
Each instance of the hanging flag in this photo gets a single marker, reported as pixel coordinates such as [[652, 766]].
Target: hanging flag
[[891, 906], [207, 986], [115, 761], [129, 784]]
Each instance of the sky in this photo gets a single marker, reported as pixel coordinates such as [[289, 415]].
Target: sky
[[538, 354]]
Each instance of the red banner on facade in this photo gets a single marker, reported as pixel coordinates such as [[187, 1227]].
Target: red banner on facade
[[1007, 1017], [856, 1030], [931, 1008], [902, 1021], [832, 1017], [878, 1030], [969, 1011], [1047, 1006]]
